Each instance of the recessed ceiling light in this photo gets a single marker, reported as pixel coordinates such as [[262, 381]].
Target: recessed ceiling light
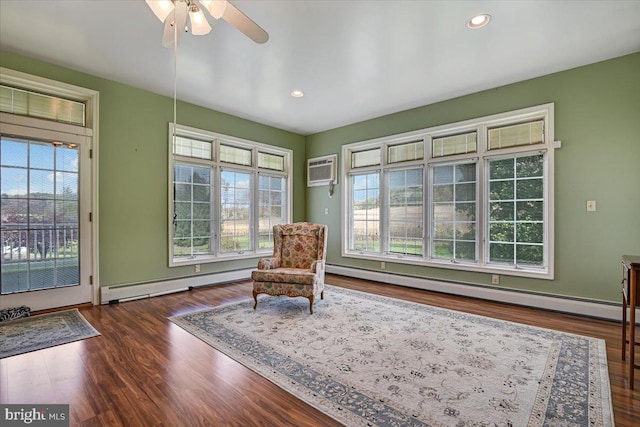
[[478, 21], [297, 94]]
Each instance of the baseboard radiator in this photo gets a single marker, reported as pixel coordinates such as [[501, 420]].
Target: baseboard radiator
[[602, 310], [121, 293], [590, 308]]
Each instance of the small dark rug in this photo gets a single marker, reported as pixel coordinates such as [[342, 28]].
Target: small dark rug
[[43, 331], [14, 313]]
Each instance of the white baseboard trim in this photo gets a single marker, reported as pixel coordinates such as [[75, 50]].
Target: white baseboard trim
[[121, 293], [602, 310]]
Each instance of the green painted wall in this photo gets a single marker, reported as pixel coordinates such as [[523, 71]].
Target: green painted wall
[[133, 241], [597, 118]]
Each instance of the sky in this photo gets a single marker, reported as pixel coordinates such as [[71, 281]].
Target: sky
[[50, 166]]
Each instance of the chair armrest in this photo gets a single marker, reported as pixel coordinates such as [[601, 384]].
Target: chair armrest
[[268, 263], [317, 266]]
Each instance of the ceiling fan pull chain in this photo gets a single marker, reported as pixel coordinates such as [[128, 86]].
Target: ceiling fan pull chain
[[175, 82]]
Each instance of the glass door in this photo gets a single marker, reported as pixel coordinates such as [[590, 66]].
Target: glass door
[[42, 235]]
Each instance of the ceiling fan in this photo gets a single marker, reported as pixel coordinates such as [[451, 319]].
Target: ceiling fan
[[175, 12]]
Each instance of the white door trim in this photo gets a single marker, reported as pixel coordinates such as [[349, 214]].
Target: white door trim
[[90, 97]]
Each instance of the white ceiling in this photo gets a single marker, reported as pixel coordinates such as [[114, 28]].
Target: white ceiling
[[354, 60]]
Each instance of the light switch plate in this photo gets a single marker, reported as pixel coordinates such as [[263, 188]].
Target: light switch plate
[[591, 205]]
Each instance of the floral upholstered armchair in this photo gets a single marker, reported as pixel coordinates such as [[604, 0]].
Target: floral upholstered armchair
[[297, 266]]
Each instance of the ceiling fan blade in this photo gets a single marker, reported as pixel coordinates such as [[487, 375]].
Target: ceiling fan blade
[[177, 17], [244, 24], [167, 32]]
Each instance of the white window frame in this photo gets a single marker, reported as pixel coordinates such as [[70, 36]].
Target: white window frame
[[447, 161], [386, 206], [216, 255], [481, 158], [349, 218]]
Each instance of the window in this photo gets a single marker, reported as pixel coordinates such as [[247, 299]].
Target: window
[[365, 213], [406, 208], [191, 210], [516, 135], [475, 196], [271, 208], [516, 210], [365, 158], [33, 104], [405, 152], [453, 212], [455, 144], [226, 196], [192, 148], [270, 161], [235, 206]]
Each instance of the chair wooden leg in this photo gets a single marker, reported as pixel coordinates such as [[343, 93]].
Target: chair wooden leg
[[255, 297], [311, 304]]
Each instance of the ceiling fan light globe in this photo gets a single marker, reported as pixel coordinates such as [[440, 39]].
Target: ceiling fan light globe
[[161, 8], [217, 7], [199, 24]]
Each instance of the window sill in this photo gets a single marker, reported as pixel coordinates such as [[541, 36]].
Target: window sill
[[506, 270], [207, 259]]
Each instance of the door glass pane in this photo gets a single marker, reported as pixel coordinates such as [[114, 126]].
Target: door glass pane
[[39, 212]]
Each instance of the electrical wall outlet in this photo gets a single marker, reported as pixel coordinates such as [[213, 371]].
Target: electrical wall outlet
[[197, 268], [383, 265], [495, 279]]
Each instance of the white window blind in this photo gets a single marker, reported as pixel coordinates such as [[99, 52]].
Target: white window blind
[[517, 135], [360, 159], [455, 144], [33, 104], [405, 152], [270, 161], [195, 148], [235, 155]]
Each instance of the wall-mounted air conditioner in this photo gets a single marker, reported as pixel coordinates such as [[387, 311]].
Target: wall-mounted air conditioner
[[322, 170]]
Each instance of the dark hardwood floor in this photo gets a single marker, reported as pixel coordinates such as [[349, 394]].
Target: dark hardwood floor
[[145, 371]]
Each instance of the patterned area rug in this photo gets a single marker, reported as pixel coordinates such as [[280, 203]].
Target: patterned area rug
[[368, 360], [43, 331]]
